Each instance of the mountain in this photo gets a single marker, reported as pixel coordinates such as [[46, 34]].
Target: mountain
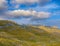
[[12, 34]]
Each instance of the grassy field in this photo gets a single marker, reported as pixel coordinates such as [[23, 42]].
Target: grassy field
[[12, 34]]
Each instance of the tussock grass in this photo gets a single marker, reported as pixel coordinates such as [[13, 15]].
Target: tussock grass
[[12, 34]]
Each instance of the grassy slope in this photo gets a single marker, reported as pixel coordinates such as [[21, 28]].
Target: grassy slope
[[12, 34]]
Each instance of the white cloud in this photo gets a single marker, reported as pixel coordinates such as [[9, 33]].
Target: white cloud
[[30, 1], [28, 13], [49, 7], [3, 4], [1, 18], [42, 15], [26, 1]]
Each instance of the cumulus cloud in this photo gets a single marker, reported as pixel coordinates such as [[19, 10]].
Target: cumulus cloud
[[3, 4], [2, 18], [29, 2], [28, 13], [21, 13], [26, 1]]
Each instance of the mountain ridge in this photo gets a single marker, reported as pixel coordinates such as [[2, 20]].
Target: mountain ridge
[[12, 34]]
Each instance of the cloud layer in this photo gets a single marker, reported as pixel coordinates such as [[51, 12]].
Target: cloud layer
[[28, 13], [24, 11], [30, 1], [3, 5]]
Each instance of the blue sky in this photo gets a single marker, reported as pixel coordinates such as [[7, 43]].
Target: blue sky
[[37, 12]]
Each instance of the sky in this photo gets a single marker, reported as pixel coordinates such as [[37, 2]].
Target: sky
[[35, 12]]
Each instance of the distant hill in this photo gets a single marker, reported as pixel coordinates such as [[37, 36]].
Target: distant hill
[[12, 34]]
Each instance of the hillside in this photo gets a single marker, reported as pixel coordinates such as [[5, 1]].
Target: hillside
[[12, 34]]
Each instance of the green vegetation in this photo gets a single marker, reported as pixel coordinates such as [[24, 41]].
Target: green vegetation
[[12, 34]]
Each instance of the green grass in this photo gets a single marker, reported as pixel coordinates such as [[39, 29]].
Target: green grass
[[12, 34]]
